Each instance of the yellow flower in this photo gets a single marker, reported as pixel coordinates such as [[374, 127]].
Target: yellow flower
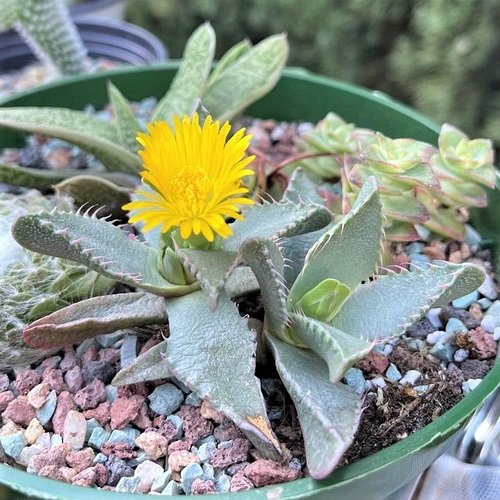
[[195, 175]]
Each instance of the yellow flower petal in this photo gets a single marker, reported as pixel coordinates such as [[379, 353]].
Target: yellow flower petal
[[195, 175]]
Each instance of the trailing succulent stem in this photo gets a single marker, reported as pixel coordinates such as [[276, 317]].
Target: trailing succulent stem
[[48, 29]]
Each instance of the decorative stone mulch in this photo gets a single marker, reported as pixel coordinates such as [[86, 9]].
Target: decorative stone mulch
[[62, 419]]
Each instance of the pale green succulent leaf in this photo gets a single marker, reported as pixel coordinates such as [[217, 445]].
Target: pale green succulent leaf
[[388, 305], [94, 191], [338, 349], [98, 245], [210, 268], [349, 252], [213, 353], [301, 189], [264, 258], [328, 413], [151, 365], [229, 58], [125, 121], [191, 78], [88, 132], [324, 300], [95, 316], [404, 207], [275, 220], [241, 282], [247, 79], [397, 230], [294, 250]]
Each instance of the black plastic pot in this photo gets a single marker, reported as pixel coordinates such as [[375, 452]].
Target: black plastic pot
[[104, 38]]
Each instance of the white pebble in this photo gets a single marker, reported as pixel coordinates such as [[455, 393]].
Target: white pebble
[[460, 355], [378, 382], [496, 333], [411, 377], [433, 316], [435, 337]]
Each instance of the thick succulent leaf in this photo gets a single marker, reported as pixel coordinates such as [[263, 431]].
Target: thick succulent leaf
[[294, 250], [241, 282], [264, 258], [387, 306], [328, 413], [125, 121], [95, 316], [88, 132], [97, 244], [301, 189], [324, 300], [93, 191], [339, 349], [213, 353], [44, 180], [274, 220], [404, 207], [210, 268], [349, 252], [446, 223], [229, 58], [191, 78], [250, 77], [151, 365], [400, 231]]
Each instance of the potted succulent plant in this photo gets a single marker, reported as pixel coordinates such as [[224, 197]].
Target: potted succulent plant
[[45, 30], [320, 308]]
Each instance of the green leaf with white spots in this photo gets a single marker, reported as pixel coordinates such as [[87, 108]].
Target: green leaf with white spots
[[88, 132], [229, 58], [191, 78], [248, 78], [125, 121]]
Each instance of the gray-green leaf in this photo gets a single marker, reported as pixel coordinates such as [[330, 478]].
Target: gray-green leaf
[[350, 251], [151, 365], [387, 306], [95, 316], [329, 413], [213, 353], [339, 349], [97, 244], [274, 220]]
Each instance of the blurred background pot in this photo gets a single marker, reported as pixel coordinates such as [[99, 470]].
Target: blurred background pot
[[111, 39], [98, 8]]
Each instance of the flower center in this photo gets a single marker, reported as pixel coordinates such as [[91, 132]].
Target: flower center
[[193, 186]]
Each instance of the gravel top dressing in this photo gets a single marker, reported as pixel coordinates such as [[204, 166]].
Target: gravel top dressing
[[62, 419]]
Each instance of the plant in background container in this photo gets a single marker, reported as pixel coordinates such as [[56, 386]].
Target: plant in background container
[[199, 241]]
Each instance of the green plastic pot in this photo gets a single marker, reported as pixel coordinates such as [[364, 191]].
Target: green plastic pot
[[298, 96]]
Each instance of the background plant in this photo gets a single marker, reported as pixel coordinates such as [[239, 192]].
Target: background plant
[[454, 46], [49, 30], [420, 185], [242, 76]]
